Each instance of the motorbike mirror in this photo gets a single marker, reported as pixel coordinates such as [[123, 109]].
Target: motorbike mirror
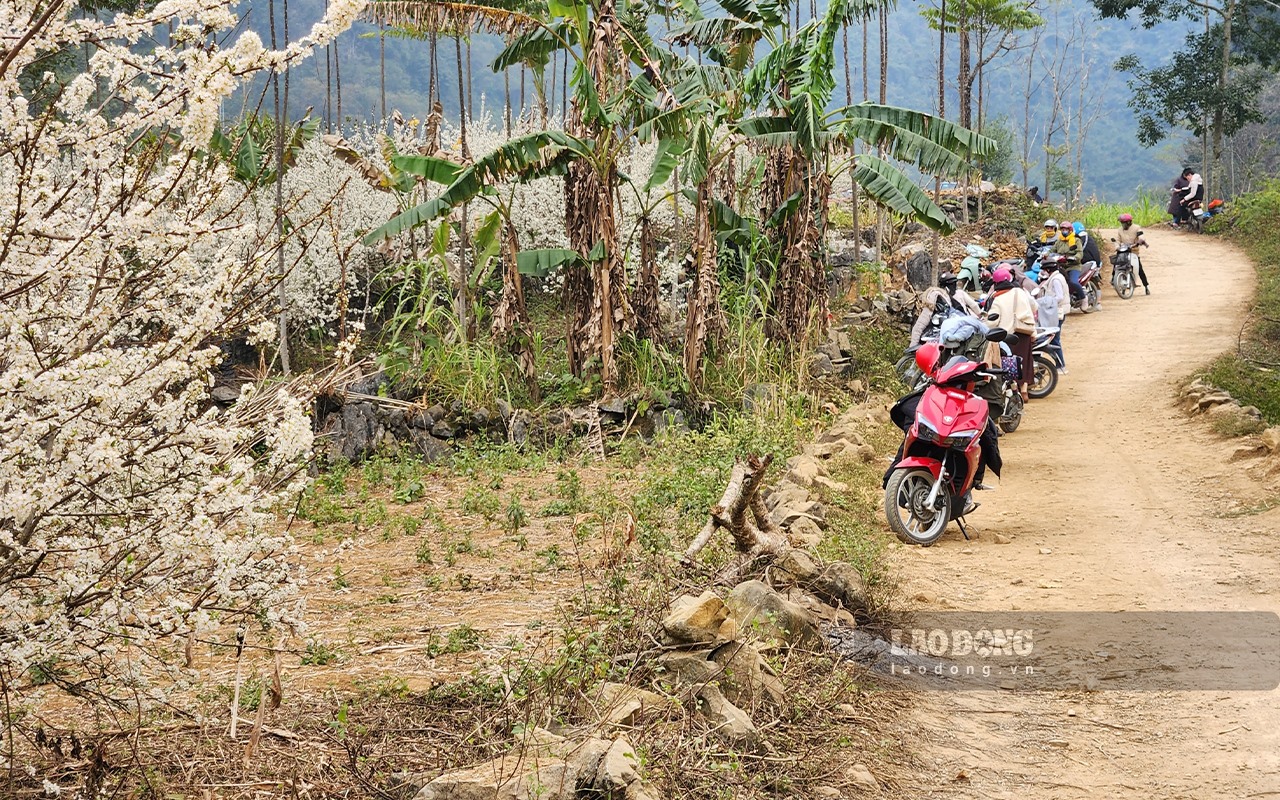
[[993, 317], [997, 335]]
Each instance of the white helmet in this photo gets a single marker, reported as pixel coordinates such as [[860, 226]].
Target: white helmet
[[1051, 223]]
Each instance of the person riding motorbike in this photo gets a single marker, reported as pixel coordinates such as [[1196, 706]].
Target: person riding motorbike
[[1068, 245], [1131, 236], [945, 298], [1089, 247], [1177, 194], [1049, 233], [1017, 315]]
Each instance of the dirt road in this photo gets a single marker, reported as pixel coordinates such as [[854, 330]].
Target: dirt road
[[1114, 500]]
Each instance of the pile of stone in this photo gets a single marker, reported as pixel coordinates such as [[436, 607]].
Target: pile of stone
[[1201, 398]]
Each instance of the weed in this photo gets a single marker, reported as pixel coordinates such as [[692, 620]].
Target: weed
[[334, 479], [400, 526], [463, 639], [516, 516], [339, 578], [483, 501], [320, 653], [423, 554], [551, 558], [320, 508], [388, 599], [374, 514]]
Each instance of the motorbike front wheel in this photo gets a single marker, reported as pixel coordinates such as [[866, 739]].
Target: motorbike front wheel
[[1012, 417], [1091, 298], [1124, 284], [906, 507], [1046, 377]]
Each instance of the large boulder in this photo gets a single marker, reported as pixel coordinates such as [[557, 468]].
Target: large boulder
[[1271, 439], [802, 470], [620, 704], [758, 608], [704, 618]]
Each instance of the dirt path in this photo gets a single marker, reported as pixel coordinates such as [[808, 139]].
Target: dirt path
[[1114, 501]]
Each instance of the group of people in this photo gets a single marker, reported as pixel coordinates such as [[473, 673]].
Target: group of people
[[1020, 300], [1186, 196]]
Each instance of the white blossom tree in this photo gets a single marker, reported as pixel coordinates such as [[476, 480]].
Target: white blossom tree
[[133, 511]]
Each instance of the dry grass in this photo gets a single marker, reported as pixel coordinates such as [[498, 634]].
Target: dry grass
[[449, 609]]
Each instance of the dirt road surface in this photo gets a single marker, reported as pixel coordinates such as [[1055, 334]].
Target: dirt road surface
[[1114, 500]]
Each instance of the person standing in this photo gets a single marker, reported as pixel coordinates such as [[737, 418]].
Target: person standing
[[1055, 305], [1015, 313], [1176, 196], [1128, 234]]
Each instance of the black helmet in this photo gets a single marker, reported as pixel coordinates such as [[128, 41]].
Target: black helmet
[[947, 280]]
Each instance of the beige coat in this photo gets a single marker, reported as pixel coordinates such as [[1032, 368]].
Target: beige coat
[[1016, 309]]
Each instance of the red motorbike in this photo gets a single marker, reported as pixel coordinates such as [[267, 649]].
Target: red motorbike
[[940, 459]]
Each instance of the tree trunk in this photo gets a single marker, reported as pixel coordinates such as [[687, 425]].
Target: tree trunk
[[704, 320], [1224, 77], [511, 316], [800, 286], [506, 102], [279, 198], [462, 110], [648, 313], [382, 74]]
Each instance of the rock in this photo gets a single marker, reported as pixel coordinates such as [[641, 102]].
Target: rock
[[866, 453], [830, 485], [804, 532], [225, 394], [759, 608], [421, 420], [729, 722], [442, 430], [1252, 411], [1248, 451], [620, 704], [986, 186], [504, 409], [785, 515], [480, 419], [431, 448], [839, 584], [862, 777], [1000, 538], [787, 493], [1045, 551], [846, 433], [436, 412], [505, 778], [642, 791], [798, 565], [668, 420], [689, 669], [759, 395], [1211, 400], [617, 769], [855, 386], [356, 435], [696, 619], [746, 678], [881, 416], [617, 406], [1271, 439], [829, 792], [835, 449], [801, 470], [821, 366], [919, 269], [518, 427], [370, 384]]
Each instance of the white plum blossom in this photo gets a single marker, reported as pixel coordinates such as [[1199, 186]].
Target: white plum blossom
[[132, 509]]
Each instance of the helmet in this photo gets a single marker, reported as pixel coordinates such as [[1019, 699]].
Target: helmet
[[1001, 275], [947, 280], [1052, 262], [1126, 218], [1051, 223], [928, 356], [1078, 227]]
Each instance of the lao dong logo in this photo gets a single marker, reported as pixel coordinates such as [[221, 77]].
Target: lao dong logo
[[983, 643]]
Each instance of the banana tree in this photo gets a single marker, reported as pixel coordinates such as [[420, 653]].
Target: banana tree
[[790, 87], [619, 95]]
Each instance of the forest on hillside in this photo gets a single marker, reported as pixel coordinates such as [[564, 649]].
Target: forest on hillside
[[1072, 55]]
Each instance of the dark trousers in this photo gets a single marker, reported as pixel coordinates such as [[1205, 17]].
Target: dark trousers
[[1142, 274], [1055, 344], [1073, 281]]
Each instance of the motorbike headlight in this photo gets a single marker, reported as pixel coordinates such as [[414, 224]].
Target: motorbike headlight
[[960, 439], [927, 434]]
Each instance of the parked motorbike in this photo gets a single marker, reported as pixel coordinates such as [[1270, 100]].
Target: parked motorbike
[[1122, 271], [1091, 280], [1046, 365], [931, 482], [969, 278]]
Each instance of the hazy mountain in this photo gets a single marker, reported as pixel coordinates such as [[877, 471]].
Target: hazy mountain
[[1115, 166]]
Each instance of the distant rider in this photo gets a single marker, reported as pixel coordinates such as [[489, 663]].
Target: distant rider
[[1068, 245], [1055, 305], [1016, 313], [1132, 236], [1049, 233]]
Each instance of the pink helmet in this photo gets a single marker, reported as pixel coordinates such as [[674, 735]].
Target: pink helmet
[[1126, 218], [1001, 275]]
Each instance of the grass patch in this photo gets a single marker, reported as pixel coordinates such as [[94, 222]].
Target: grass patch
[[1148, 209], [1251, 373]]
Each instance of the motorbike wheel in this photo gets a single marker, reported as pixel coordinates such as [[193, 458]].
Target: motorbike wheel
[[1091, 298], [1124, 284], [906, 495], [1046, 378], [1012, 417]]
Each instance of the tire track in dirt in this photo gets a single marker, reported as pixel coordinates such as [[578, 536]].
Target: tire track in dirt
[[1128, 496]]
